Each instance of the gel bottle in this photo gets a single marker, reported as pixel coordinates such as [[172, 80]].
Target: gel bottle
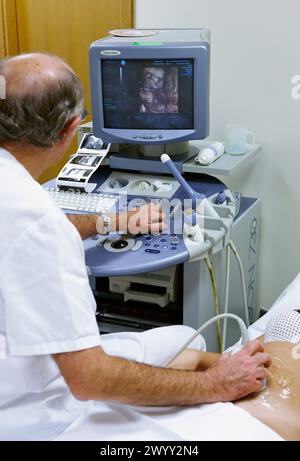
[[210, 153]]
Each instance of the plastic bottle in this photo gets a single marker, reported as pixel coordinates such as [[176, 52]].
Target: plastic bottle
[[210, 153]]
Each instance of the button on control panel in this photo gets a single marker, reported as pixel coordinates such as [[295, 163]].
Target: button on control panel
[[160, 243]]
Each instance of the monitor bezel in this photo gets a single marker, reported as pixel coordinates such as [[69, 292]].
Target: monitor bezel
[[198, 52]]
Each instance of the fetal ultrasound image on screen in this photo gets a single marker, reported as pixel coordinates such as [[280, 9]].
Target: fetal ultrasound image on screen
[[158, 90], [148, 94]]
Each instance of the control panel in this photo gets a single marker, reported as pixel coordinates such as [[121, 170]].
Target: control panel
[[190, 235]]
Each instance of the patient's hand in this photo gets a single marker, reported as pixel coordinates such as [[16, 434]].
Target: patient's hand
[[235, 376]]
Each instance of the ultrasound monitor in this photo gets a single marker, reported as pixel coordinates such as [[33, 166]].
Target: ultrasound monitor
[[153, 90]]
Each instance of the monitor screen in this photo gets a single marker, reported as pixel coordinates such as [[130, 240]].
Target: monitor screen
[[154, 94]]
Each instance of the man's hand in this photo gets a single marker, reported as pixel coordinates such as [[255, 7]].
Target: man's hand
[[235, 376], [148, 218]]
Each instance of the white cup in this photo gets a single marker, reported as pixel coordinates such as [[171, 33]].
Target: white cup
[[238, 140]]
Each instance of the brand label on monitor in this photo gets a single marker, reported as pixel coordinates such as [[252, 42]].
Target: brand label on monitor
[[111, 52]]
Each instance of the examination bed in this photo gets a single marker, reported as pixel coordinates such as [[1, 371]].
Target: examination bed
[[220, 421]]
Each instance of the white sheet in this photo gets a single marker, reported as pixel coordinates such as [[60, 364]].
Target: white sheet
[[221, 421]]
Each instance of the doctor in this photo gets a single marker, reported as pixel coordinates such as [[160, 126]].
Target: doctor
[[52, 358]]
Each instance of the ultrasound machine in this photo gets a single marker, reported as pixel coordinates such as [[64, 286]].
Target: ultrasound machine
[[150, 107]]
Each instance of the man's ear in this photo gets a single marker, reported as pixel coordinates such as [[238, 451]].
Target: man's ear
[[69, 131]]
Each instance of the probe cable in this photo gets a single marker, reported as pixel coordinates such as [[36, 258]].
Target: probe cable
[[244, 333]]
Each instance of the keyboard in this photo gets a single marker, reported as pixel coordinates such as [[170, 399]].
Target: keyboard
[[82, 201]]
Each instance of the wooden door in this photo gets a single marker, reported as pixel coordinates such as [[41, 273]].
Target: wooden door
[[8, 28], [67, 28]]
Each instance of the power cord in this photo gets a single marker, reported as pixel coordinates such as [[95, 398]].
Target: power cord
[[243, 283], [227, 276], [233, 248]]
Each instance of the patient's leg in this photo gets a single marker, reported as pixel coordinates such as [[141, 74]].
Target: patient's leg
[[191, 359]]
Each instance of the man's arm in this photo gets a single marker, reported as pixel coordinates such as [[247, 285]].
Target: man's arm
[[148, 218], [86, 224], [93, 375]]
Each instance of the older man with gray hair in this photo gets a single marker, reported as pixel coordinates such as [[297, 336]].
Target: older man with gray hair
[[53, 359]]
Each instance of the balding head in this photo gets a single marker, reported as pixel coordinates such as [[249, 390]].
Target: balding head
[[43, 95], [27, 71]]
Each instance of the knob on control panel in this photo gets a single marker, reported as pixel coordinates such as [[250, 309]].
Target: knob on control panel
[[119, 244]]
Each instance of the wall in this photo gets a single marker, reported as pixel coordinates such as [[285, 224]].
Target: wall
[[255, 53]]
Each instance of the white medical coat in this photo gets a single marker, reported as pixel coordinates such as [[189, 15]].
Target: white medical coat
[[46, 307]]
